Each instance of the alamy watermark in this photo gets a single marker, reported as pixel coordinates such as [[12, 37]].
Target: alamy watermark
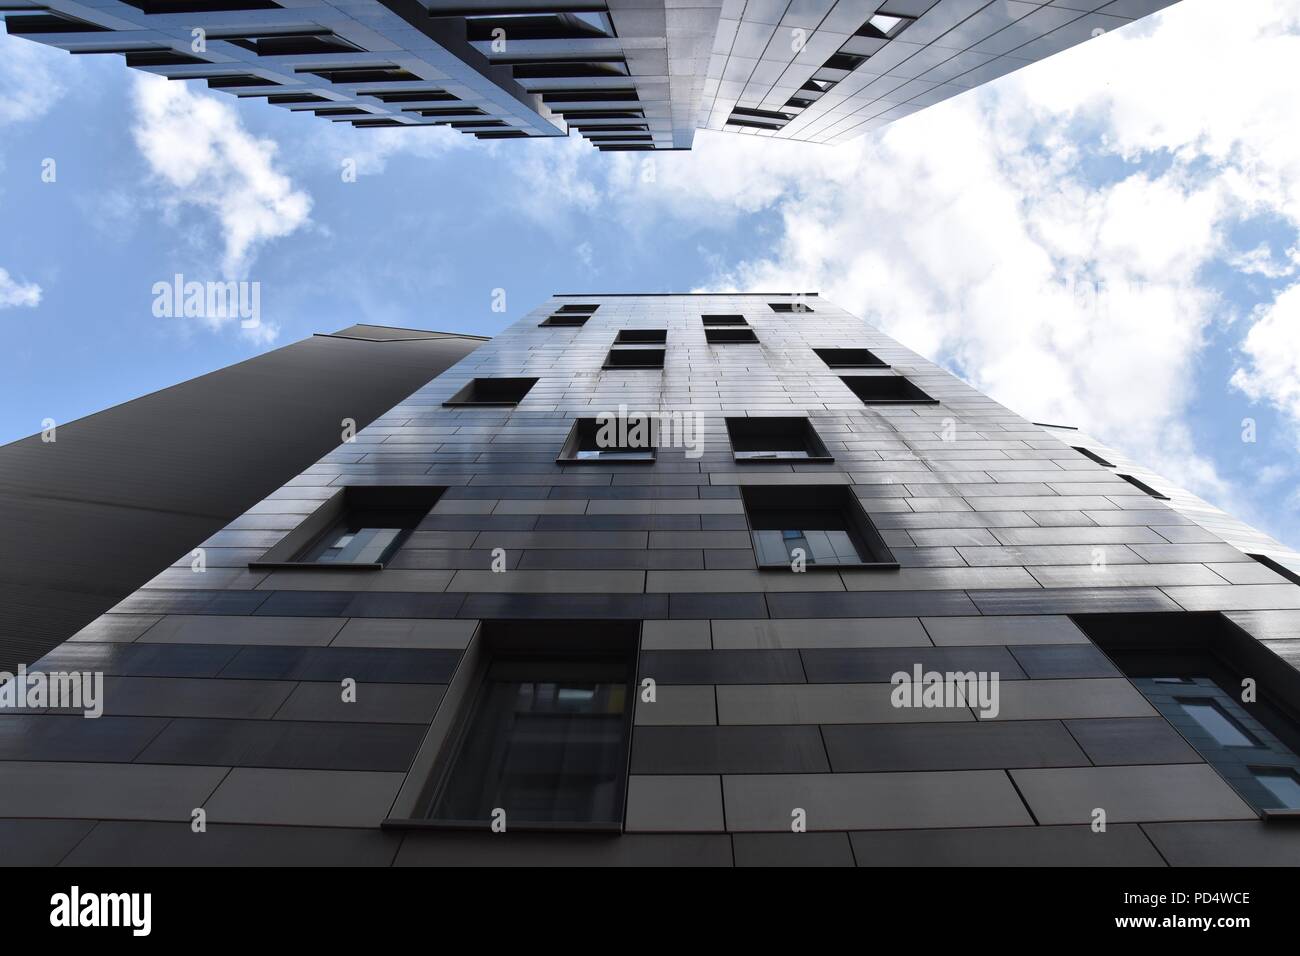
[[58, 690], [209, 300], [657, 429], [920, 688]]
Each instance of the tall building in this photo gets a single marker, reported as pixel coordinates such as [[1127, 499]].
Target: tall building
[[626, 74], [696, 580]]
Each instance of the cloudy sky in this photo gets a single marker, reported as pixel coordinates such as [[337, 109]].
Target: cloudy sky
[[1107, 238]]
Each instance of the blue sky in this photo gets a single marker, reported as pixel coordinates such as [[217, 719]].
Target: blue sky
[[1107, 238]]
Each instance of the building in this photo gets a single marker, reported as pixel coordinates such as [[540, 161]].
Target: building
[[94, 508], [626, 74], [500, 627]]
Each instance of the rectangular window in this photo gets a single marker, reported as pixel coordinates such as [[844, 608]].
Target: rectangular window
[[722, 320], [775, 440], [795, 306], [1209, 714], [609, 440], [849, 358], [492, 392], [568, 321], [1276, 567], [730, 336], [1092, 455], [1143, 486], [360, 528], [576, 307], [1191, 667], [641, 337], [635, 358], [886, 390], [812, 526], [1282, 783], [544, 732]]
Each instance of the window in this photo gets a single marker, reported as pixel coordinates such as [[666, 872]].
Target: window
[[542, 729], [571, 320], [1276, 567], [886, 390], [849, 358], [609, 439], [816, 526], [795, 306], [360, 528], [730, 336], [717, 320], [641, 337], [635, 358], [1142, 485], [1209, 714], [1093, 455], [775, 440], [492, 392], [1190, 668], [1283, 783], [578, 308]]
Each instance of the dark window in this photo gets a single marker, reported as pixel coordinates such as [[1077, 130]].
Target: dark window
[[1093, 455], [492, 391], [545, 733], [1276, 567], [585, 309], [1142, 485], [641, 337], [886, 390], [729, 336], [795, 306], [571, 321], [360, 528], [200, 6], [716, 320], [850, 358], [610, 439], [635, 358], [775, 440], [290, 44], [823, 526], [1190, 667]]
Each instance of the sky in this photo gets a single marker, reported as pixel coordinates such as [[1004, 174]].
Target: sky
[[1109, 238]]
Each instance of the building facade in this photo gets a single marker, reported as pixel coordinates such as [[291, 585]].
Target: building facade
[[839, 609], [626, 74]]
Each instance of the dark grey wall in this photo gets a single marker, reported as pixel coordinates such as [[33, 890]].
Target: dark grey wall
[[90, 517]]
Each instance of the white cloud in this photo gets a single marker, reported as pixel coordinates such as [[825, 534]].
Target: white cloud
[[31, 79], [15, 293], [1272, 353], [368, 151], [1044, 235], [198, 148]]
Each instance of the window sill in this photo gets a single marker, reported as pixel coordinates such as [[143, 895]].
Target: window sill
[[810, 460], [865, 566], [312, 566], [1287, 816], [611, 461], [397, 823]]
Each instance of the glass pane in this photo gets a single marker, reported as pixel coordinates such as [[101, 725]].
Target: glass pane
[[543, 751], [1217, 724], [1283, 784]]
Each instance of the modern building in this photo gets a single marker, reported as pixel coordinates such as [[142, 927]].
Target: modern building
[[626, 74], [839, 608]]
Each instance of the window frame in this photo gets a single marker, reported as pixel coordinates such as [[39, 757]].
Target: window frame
[[461, 399], [286, 554], [818, 452], [498, 639], [573, 441], [866, 538]]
